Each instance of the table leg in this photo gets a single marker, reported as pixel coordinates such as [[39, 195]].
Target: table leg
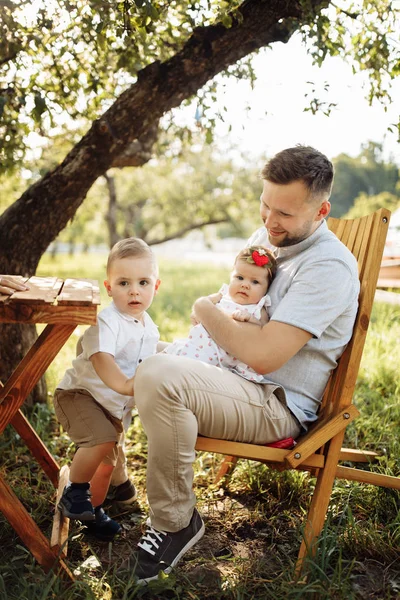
[[31, 369], [36, 446], [29, 532]]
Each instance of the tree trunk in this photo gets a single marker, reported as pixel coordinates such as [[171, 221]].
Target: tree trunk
[[111, 216], [36, 218]]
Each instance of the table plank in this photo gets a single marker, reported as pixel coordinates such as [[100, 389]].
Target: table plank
[[42, 290], [47, 313], [16, 278], [79, 292]]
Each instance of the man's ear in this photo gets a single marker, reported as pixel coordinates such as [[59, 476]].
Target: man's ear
[[324, 210], [107, 286], [158, 283]]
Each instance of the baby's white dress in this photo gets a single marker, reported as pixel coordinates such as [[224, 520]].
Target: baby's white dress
[[200, 346]]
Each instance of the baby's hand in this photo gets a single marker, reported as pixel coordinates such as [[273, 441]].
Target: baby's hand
[[241, 315], [245, 317]]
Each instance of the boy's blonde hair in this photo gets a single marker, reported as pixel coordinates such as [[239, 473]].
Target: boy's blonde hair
[[256, 255], [130, 248]]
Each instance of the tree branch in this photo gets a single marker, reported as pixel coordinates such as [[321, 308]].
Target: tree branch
[[184, 230], [34, 220]]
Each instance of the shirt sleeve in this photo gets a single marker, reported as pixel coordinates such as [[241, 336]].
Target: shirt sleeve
[[101, 337], [318, 295]]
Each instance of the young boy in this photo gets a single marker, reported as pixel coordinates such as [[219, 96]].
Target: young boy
[[96, 394]]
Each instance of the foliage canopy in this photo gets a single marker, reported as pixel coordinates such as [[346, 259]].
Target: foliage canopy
[[62, 63]]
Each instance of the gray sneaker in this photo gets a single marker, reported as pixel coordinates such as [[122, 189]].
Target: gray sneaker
[[125, 493], [161, 551]]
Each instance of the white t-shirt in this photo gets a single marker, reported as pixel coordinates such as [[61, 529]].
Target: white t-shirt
[[127, 340]]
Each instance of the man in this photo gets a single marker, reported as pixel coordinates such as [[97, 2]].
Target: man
[[313, 308]]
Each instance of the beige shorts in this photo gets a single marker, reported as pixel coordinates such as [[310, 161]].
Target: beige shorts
[[87, 423]]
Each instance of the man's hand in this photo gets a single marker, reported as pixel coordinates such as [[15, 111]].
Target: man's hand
[[204, 300]]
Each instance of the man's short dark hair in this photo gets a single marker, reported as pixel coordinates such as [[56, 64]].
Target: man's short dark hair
[[301, 163]]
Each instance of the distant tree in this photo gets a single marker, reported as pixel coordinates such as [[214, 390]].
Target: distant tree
[[368, 174], [364, 204]]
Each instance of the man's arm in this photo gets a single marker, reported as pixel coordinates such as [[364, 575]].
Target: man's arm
[[264, 349], [109, 372]]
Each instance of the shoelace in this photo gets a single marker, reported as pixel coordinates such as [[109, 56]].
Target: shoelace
[[150, 544]]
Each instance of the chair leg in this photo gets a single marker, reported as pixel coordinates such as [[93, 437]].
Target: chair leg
[[226, 469], [319, 503]]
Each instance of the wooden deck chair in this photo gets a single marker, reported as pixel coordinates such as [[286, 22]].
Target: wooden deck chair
[[320, 450]]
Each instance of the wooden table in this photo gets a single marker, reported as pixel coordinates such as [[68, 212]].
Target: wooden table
[[61, 305]]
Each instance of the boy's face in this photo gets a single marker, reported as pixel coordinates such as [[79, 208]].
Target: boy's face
[[248, 283], [132, 283]]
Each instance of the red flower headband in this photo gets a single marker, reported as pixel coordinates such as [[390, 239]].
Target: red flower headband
[[260, 258]]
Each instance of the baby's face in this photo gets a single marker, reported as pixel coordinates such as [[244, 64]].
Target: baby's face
[[248, 283]]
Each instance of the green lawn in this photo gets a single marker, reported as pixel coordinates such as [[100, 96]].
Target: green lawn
[[253, 526]]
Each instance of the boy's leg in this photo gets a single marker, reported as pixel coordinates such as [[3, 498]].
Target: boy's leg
[[103, 528], [178, 398], [76, 502], [120, 472], [86, 461], [96, 434], [100, 483], [121, 487]]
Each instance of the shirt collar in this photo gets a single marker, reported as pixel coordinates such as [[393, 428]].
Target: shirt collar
[[289, 251], [128, 317]]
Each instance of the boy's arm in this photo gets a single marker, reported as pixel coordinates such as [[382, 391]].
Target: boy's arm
[[111, 375]]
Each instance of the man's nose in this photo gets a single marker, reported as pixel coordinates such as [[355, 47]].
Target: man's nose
[[269, 220]]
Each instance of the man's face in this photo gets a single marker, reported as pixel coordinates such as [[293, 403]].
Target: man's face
[[288, 214], [132, 283]]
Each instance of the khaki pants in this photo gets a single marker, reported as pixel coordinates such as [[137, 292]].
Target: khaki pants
[[178, 398]]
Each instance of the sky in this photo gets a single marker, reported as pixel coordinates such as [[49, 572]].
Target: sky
[[276, 118]]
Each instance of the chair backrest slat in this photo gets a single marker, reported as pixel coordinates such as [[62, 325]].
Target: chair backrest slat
[[365, 237]]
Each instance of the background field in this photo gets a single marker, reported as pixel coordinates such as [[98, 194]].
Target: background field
[[253, 526]]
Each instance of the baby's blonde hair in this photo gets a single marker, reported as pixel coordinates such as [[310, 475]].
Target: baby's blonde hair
[[247, 256]]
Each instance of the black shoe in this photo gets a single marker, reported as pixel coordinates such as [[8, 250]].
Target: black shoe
[[75, 502], [160, 550], [103, 528], [125, 493]]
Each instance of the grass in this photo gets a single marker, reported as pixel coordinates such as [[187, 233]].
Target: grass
[[253, 525]]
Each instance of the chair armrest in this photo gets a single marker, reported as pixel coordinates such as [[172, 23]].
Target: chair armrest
[[322, 434]]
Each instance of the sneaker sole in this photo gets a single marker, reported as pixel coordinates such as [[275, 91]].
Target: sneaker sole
[[185, 549], [85, 516], [128, 501]]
